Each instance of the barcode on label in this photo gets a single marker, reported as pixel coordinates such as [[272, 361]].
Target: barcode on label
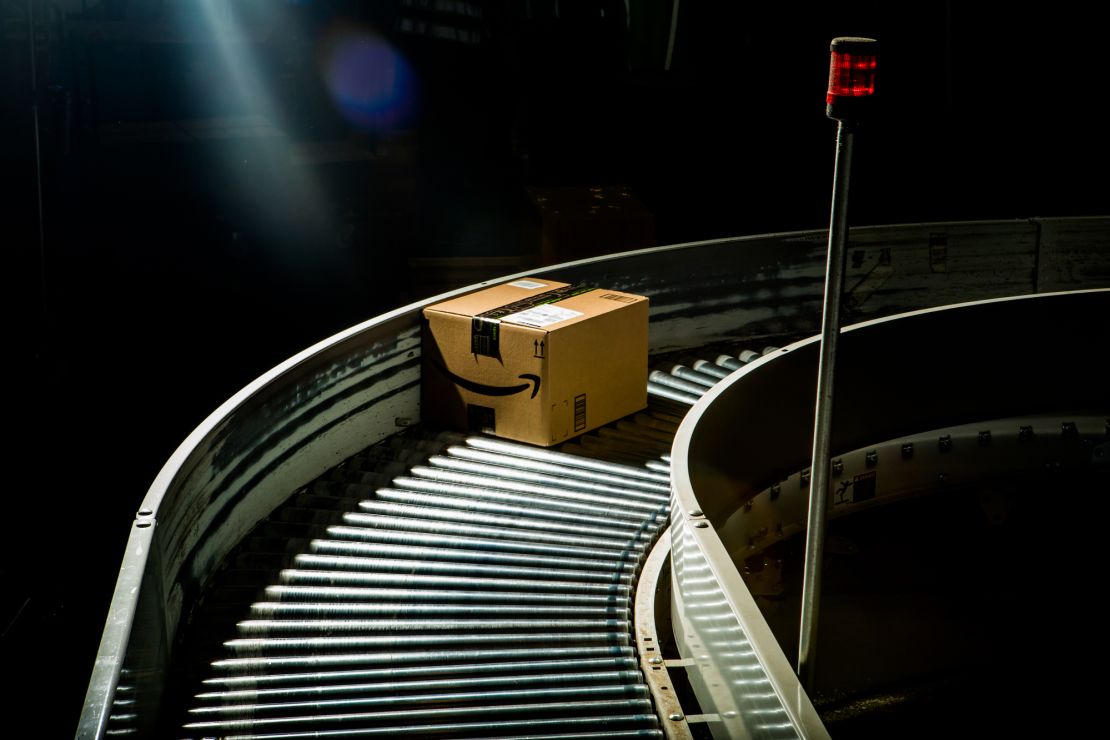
[[580, 412], [528, 284], [619, 297]]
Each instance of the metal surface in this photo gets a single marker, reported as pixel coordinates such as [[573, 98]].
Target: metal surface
[[823, 415], [899, 390], [361, 387], [518, 625], [650, 647], [366, 590], [920, 464], [735, 665], [720, 467]]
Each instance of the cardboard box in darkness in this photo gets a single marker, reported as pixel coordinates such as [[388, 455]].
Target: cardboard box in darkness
[[579, 222], [535, 360]]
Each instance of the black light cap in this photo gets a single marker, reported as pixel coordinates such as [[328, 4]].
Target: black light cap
[[853, 65]]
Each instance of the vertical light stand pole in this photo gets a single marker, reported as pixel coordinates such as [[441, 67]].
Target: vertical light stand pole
[[38, 150], [851, 85]]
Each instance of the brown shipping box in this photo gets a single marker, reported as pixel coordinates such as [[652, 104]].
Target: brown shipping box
[[535, 360]]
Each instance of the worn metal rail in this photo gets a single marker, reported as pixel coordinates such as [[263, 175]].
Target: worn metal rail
[[338, 400]]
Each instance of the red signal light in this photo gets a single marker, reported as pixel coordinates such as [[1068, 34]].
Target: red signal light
[[851, 75], [852, 69]]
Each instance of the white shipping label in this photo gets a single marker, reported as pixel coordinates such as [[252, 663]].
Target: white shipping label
[[529, 284], [541, 316]]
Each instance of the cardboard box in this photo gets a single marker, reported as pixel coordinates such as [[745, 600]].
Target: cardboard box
[[579, 222], [535, 360]]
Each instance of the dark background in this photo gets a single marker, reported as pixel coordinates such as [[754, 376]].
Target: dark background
[[207, 209]]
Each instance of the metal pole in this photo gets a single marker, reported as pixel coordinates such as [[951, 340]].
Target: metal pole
[[38, 150], [822, 426]]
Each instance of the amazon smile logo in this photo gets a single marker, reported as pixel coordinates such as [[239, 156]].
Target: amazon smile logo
[[494, 390]]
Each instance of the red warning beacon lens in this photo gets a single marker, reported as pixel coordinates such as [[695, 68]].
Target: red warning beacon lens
[[852, 70]]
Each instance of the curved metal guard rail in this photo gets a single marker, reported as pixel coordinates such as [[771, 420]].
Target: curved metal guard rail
[[929, 369], [362, 385]]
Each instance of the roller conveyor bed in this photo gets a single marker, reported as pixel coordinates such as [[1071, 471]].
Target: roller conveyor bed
[[439, 583], [416, 582]]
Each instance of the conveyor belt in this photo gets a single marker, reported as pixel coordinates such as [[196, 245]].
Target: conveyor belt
[[180, 593], [442, 584]]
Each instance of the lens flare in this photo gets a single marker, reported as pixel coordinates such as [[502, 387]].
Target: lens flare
[[371, 84]]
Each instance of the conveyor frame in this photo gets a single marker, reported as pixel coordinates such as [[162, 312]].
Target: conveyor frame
[[362, 385]]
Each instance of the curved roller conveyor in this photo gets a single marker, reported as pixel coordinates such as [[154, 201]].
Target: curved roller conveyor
[[314, 561], [440, 583]]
